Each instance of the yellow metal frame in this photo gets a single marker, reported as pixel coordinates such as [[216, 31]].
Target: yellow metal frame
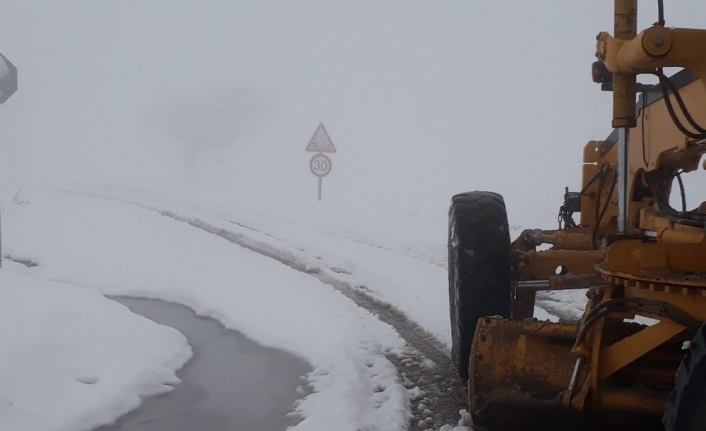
[[588, 366]]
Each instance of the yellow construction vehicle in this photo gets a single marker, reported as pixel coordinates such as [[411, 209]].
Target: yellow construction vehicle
[[637, 357]]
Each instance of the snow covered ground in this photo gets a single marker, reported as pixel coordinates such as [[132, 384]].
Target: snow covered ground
[[117, 248], [398, 258], [72, 359], [117, 240]]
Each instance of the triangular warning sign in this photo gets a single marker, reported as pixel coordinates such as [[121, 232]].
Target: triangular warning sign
[[321, 141]]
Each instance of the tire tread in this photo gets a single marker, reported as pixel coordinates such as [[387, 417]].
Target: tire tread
[[479, 267]]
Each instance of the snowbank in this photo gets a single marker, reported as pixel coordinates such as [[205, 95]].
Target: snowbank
[[71, 359]]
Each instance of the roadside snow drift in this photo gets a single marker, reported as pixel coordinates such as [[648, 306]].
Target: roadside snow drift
[[71, 359]]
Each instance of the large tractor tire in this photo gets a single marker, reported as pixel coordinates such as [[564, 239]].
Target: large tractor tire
[[478, 267], [686, 409]]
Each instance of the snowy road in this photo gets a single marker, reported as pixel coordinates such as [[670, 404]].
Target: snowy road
[[230, 383], [424, 367], [361, 298], [108, 247]]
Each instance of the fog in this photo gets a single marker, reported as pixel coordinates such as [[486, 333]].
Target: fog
[[422, 99]]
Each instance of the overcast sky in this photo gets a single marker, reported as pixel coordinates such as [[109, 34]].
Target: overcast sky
[[422, 98]]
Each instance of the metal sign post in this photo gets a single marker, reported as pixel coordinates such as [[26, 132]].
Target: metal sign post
[[320, 164]]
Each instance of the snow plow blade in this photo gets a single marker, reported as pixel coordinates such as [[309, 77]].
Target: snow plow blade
[[517, 371]]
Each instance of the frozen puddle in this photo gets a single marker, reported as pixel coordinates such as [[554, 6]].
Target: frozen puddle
[[231, 383]]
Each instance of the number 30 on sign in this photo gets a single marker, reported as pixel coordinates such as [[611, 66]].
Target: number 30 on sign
[[320, 165]]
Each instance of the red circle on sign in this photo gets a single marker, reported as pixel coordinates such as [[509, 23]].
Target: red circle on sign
[[320, 165]]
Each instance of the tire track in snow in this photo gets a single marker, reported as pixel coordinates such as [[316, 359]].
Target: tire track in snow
[[441, 394], [422, 341], [426, 364]]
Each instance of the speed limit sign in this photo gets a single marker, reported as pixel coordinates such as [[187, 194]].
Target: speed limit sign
[[320, 165]]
